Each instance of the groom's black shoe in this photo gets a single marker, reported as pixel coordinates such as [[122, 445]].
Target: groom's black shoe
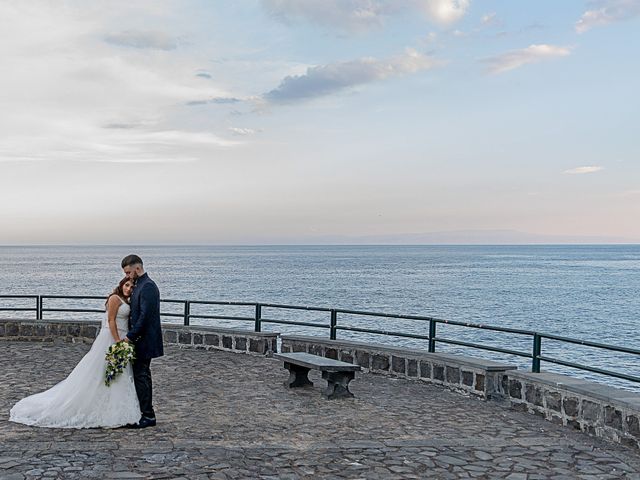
[[146, 422]]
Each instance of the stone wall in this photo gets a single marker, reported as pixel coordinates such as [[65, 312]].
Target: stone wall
[[207, 338], [241, 341], [48, 330], [593, 408], [467, 374]]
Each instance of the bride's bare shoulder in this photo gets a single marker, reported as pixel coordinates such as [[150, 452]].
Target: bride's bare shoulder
[[113, 303]]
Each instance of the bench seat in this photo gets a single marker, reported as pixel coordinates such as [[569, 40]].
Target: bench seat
[[337, 374]]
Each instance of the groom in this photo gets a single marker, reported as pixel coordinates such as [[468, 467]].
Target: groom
[[145, 333]]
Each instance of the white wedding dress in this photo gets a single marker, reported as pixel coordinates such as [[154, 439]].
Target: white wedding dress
[[82, 400]]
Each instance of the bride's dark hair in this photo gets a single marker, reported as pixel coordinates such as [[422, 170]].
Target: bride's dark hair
[[119, 290]]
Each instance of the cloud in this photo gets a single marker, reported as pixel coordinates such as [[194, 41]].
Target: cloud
[[327, 79], [242, 131], [342, 14], [362, 15], [81, 143], [142, 39], [490, 20], [443, 12], [89, 143], [215, 100], [606, 12], [71, 96], [121, 126], [583, 170], [204, 75], [518, 58]]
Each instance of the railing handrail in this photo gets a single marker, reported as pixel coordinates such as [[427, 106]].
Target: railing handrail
[[588, 343], [334, 327], [18, 296]]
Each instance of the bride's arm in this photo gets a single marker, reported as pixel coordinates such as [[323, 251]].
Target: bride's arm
[[112, 309]]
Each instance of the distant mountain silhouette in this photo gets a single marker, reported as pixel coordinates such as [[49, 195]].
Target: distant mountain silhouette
[[456, 237]]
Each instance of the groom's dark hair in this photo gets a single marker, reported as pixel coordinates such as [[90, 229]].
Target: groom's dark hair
[[131, 260]]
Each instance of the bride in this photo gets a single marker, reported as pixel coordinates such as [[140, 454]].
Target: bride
[[82, 400]]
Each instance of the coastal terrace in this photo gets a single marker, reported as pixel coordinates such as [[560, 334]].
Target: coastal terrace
[[215, 423]]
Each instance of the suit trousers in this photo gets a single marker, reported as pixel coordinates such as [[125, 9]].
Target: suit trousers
[[144, 387]]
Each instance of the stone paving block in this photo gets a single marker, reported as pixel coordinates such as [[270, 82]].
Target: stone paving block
[[316, 350], [533, 394], [257, 345], [591, 410], [398, 364], [88, 331], [574, 424], [26, 329], [73, 330], [438, 372], [425, 369], [515, 388], [412, 367], [363, 359], [553, 400], [613, 417], [380, 362], [346, 356], [241, 343], [570, 406], [453, 375], [298, 347], [331, 353], [184, 338], [53, 329], [212, 339], [633, 425]]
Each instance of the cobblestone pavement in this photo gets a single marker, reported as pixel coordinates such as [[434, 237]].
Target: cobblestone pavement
[[227, 416]]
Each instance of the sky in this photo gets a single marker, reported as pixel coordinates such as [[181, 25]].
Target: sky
[[319, 121]]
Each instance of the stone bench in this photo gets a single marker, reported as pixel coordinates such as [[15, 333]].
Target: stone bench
[[476, 376], [337, 374]]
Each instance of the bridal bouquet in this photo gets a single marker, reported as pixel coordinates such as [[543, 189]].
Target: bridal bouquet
[[118, 356]]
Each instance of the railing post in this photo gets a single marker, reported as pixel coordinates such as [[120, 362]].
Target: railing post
[[537, 349], [334, 324], [187, 312], [39, 308], [432, 335], [258, 327]]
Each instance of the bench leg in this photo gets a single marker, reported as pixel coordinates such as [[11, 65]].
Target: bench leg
[[337, 384], [297, 376]]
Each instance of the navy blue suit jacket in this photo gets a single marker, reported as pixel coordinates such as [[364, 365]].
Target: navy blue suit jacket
[[144, 322]]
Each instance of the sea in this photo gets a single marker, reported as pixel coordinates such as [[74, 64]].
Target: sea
[[585, 292]]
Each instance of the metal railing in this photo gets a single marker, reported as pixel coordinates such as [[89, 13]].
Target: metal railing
[[535, 354]]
